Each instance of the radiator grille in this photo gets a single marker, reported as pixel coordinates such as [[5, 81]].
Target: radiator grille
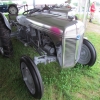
[[70, 49]]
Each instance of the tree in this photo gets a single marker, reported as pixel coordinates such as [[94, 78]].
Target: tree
[[10, 2], [24, 2], [75, 4]]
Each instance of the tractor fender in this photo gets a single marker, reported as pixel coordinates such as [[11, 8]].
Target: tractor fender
[[5, 20]]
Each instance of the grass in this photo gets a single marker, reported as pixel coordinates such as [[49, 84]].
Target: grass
[[59, 84], [94, 20]]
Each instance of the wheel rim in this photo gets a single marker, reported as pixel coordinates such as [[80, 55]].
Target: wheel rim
[[13, 10], [85, 55], [1, 51], [27, 77]]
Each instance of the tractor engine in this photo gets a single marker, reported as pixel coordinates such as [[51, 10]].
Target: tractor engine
[[31, 35], [48, 45]]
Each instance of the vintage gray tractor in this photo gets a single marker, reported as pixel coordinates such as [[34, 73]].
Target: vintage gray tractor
[[55, 36]]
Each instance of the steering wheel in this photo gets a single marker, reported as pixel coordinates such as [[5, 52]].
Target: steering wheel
[[30, 11]]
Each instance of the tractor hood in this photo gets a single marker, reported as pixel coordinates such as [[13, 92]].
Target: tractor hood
[[57, 26], [44, 21]]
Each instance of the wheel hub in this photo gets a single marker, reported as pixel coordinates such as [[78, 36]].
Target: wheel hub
[[1, 51], [27, 77], [85, 55]]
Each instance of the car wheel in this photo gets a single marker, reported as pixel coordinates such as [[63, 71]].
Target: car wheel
[[12, 9], [6, 47], [31, 77], [88, 54]]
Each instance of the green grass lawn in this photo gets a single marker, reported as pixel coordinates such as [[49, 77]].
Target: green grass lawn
[[59, 84]]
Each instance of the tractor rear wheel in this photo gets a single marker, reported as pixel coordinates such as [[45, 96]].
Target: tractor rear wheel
[[6, 48]]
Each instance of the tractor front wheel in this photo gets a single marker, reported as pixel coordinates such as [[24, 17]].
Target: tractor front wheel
[[31, 77], [88, 54]]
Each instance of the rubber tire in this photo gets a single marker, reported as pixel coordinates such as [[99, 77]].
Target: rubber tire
[[92, 52], [5, 40], [35, 75], [13, 5]]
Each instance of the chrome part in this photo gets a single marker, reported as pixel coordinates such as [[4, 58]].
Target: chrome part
[[25, 44], [22, 20], [63, 52], [1, 50], [49, 49], [70, 32], [85, 55], [78, 48], [45, 27], [27, 77], [48, 21], [69, 52], [44, 59], [71, 44], [80, 34], [61, 10], [59, 55]]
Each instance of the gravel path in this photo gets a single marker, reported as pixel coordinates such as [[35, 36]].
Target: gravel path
[[93, 27]]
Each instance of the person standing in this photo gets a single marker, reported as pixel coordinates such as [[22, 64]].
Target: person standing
[[92, 11]]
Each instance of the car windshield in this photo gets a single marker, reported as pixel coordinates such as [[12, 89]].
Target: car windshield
[[1, 3]]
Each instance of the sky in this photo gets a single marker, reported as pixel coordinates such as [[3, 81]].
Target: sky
[[54, 1], [47, 1]]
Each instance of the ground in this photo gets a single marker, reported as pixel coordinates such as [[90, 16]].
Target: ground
[[59, 84], [93, 27]]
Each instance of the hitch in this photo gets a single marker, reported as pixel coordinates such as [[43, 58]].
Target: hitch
[[44, 59]]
